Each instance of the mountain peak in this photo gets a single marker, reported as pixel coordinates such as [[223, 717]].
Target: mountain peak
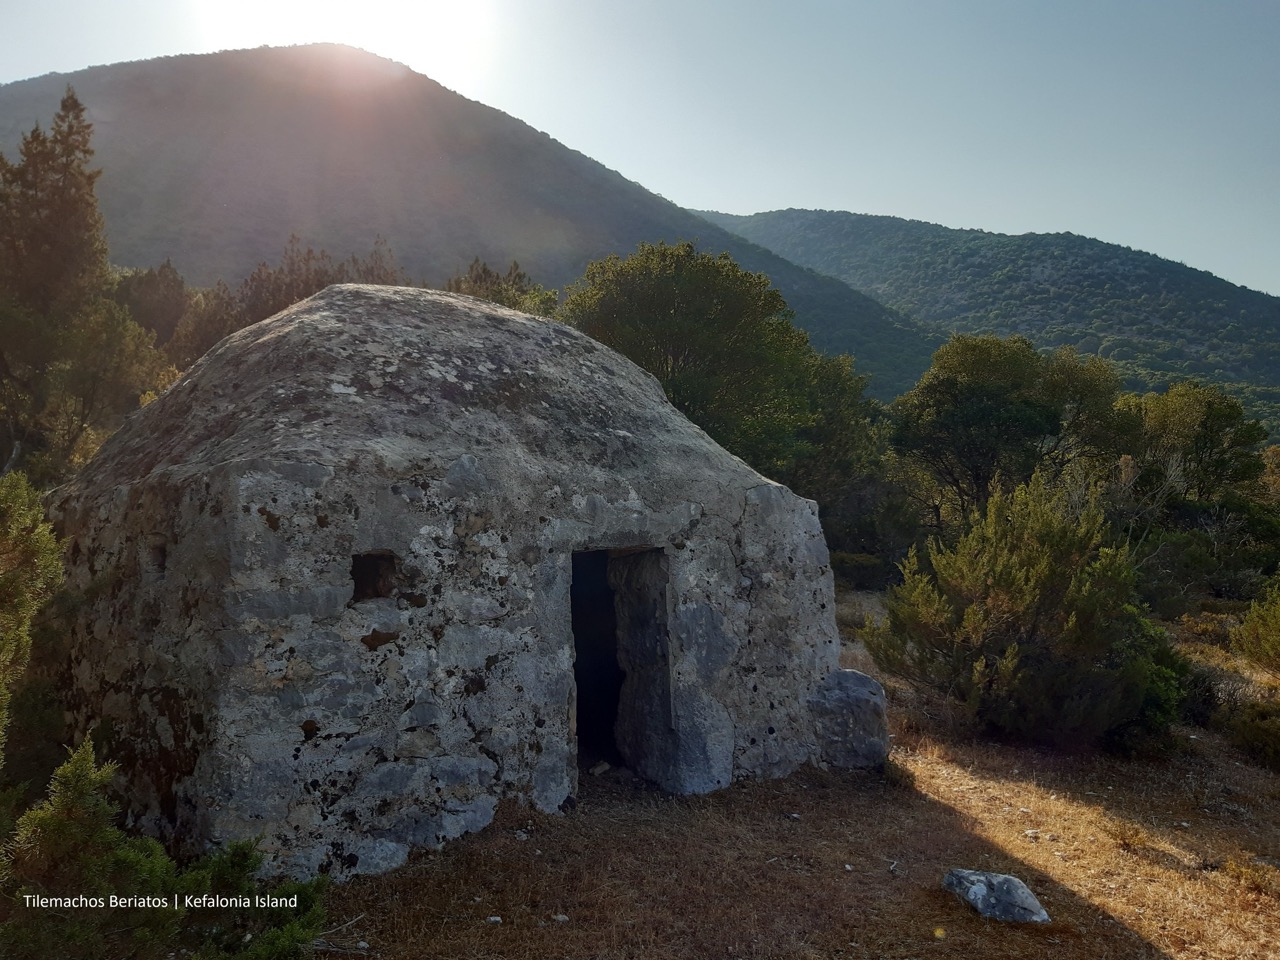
[[213, 160]]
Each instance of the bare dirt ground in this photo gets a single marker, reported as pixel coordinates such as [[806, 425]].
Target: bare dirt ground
[[1171, 857]]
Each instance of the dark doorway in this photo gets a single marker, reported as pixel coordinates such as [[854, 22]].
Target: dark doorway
[[595, 666]]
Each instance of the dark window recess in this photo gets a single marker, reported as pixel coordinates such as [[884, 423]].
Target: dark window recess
[[372, 575]]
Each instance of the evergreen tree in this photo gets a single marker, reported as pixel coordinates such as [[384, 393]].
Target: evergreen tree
[[52, 252], [1032, 622], [515, 288], [71, 359], [991, 407], [155, 298], [219, 311], [30, 570]]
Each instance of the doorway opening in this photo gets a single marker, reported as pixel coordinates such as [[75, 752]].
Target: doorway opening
[[622, 662], [596, 670]]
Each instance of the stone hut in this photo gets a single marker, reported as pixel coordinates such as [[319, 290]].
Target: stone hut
[[393, 555]]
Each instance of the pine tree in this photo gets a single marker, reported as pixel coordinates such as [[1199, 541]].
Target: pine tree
[[52, 251], [71, 359]]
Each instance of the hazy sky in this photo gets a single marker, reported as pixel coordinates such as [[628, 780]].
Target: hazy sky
[[1151, 123]]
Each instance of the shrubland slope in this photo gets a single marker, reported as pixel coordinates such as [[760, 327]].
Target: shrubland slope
[[1159, 321]]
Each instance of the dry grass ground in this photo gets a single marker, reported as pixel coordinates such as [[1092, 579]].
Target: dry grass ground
[[1174, 857]]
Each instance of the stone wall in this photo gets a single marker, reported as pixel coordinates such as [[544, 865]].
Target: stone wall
[[327, 582]]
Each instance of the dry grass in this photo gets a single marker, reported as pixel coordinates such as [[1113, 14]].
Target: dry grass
[[1175, 857]]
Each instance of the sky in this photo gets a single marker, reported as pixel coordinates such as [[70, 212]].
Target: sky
[[1150, 123]]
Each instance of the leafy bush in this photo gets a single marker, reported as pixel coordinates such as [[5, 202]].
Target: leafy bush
[[1207, 627], [69, 846], [1258, 637], [1033, 623], [1255, 729], [861, 571], [1211, 691], [30, 570], [720, 341], [1200, 552]]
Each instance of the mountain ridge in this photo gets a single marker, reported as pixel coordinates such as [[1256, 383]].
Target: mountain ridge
[[213, 160], [1158, 320]]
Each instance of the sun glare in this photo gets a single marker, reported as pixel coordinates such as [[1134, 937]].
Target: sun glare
[[450, 41]]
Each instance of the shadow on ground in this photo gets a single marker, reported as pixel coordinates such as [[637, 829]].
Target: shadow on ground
[[816, 865]]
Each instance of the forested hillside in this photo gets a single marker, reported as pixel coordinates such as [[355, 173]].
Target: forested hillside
[[213, 161], [1157, 320]]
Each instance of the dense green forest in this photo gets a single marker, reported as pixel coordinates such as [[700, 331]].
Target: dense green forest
[[1156, 320]]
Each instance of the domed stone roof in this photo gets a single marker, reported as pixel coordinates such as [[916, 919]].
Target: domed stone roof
[[392, 555]]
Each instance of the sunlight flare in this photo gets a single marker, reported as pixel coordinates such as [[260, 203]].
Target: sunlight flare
[[452, 42]]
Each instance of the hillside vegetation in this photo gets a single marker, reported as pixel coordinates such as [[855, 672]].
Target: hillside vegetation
[[213, 161], [1157, 320]]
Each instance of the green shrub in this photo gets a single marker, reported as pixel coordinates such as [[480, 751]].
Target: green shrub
[[1176, 568], [275, 933], [69, 846], [1209, 628], [37, 732], [1209, 692], [1255, 729], [30, 570], [1033, 623], [1225, 606], [1258, 637], [861, 571]]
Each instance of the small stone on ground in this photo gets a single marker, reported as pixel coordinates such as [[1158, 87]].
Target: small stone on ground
[[996, 895]]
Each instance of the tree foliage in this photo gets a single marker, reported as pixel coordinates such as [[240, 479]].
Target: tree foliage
[[72, 360], [52, 253], [1155, 320], [1199, 438], [1270, 479], [70, 846], [30, 570], [989, 407], [515, 288], [1258, 636], [1032, 621], [219, 311], [156, 298], [721, 342]]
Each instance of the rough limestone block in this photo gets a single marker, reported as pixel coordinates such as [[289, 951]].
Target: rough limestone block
[[996, 895], [849, 720]]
